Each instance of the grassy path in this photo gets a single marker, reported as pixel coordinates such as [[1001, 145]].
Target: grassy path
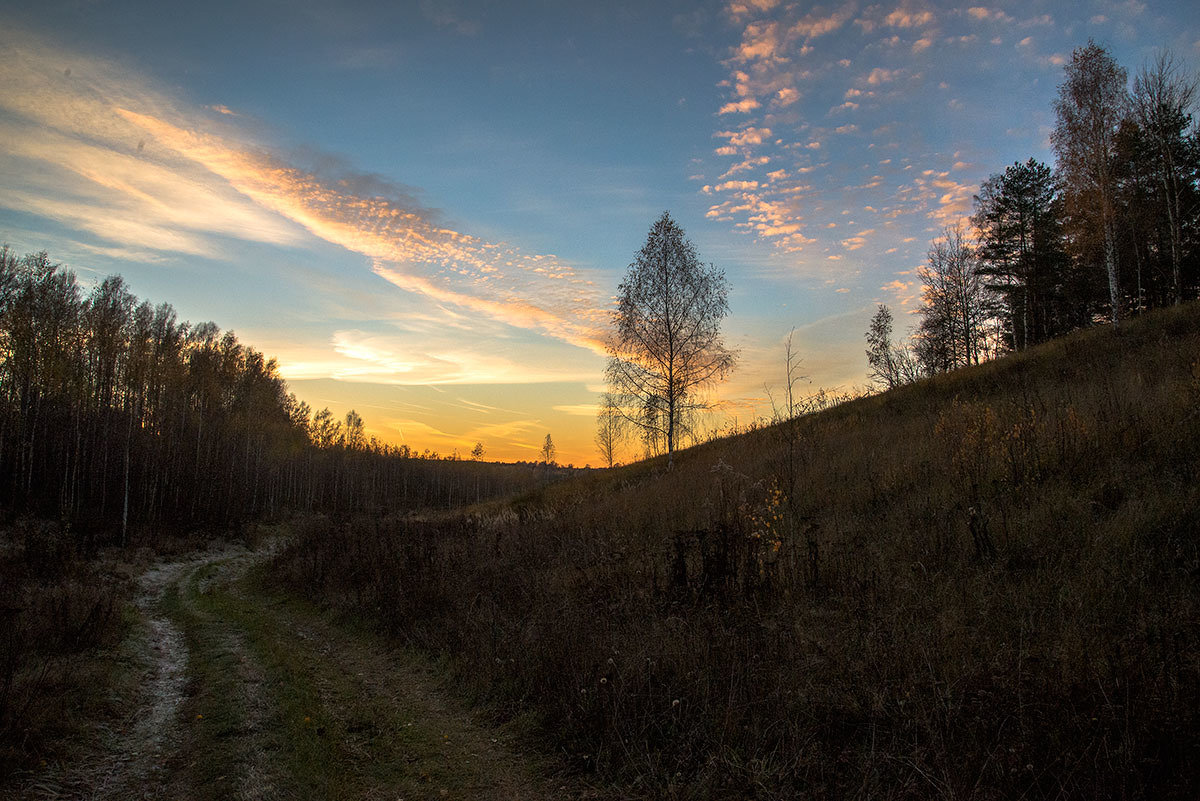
[[254, 695]]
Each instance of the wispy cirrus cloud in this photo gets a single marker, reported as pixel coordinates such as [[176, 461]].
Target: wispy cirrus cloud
[[100, 149]]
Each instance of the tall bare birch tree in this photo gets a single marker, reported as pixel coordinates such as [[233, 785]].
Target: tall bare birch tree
[[1163, 96], [666, 344], [1091, 103]]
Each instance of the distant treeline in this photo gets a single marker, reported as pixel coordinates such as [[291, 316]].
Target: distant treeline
[[116, 417], [1111, 231]]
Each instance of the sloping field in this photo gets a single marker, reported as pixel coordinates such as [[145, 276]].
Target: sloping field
[[985, 585]]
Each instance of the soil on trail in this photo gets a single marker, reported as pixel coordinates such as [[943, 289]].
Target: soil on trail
[[248, 694]]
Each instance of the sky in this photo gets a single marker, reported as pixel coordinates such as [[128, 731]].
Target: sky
[[423, 209]]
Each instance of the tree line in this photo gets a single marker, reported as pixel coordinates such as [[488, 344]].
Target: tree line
[[117, 417], [1112, 230]]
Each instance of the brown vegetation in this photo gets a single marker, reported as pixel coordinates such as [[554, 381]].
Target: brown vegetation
[[981, 585], [57, 612]]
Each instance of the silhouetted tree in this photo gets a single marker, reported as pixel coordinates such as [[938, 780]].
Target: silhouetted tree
[[1018, 220], [891, 364], [666, 345], [610, 429], [957, 308]]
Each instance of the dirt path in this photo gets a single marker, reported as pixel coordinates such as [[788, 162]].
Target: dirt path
[[129, 756], [251, 695]]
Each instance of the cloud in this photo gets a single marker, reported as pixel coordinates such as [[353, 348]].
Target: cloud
[[740, 107], [101, 150], [984, 14], [766, 56], [814, 24], [761, 41], [908, 19], [857, 241], [879, 76], [392, 359], [766, 213], [406, 247], [579, 409], [739, 9], [940, 197], [730, 185], [786, 96], [745, 137], [747, 164], [904, 294]]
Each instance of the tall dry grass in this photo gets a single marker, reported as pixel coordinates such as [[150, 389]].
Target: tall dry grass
[[985, 585], [58, 613]]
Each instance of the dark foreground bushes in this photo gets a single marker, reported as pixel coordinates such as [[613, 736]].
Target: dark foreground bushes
[[982, 586], [57, 612]]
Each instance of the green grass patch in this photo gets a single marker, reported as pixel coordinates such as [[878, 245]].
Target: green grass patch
[[338, 717]]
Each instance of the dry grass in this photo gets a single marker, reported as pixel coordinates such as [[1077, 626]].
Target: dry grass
[[59, 617], [981, 586]]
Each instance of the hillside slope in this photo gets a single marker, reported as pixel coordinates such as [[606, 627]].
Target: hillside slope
[[985, 585]]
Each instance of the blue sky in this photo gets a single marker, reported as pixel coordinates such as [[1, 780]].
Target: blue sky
[[423, 209]]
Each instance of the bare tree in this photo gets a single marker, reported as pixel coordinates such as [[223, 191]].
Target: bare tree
[[1091, 103], [610, 429], [548, 451], [958, 309], [477, 452], [1162, 99], [891, 364], [666, 345], [881, 355]]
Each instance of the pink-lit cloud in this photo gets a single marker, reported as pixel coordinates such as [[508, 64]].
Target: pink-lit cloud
[[879, 76], [740, 106], [985, 14], [900, 18]]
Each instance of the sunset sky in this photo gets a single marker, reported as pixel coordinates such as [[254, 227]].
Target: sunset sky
[[423, 209]]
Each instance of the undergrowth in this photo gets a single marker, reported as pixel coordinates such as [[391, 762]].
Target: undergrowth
[[981, 586], [59, 616]]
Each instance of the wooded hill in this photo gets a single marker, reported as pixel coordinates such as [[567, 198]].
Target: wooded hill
[[982, 585]]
